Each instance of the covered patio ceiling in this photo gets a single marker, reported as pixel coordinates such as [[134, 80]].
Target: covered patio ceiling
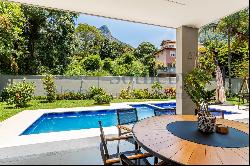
[[166, 13]]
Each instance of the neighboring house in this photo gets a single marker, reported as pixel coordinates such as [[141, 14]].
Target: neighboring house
[[167, 55]]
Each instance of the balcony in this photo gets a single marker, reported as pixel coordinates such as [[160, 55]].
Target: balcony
[[167, 72]]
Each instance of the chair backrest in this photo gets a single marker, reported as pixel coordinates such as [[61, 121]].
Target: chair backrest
[[218, 113], [103, 144], [164, 111], [125, 160], [127, 116]]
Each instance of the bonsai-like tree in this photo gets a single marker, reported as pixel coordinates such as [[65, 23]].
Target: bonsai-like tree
[[195, 83]]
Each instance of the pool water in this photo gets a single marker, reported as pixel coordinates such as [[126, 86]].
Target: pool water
[[66, 121], [55, 122], [219, 113], [165, 105], [144, 111], [173, 105]]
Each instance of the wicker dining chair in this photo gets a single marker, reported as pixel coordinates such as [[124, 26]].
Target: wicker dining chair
[[114, 158], [126, 117], [164, 111]]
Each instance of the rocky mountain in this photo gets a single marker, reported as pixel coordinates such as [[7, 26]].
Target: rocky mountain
[[107, 33]]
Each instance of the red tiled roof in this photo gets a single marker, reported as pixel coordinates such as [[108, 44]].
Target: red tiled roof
[[165, 48]]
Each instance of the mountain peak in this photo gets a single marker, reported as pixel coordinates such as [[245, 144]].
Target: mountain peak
[[107, 33], [105, 29]]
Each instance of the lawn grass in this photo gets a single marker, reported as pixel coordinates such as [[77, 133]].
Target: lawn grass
[[7, 111], [235, 100]]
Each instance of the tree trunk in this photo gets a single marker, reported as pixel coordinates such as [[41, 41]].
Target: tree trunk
[[229, 62], [220, 90]]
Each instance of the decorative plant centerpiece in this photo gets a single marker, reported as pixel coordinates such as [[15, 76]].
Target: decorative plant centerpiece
[[195, 82], [206, 121], [195, 85]]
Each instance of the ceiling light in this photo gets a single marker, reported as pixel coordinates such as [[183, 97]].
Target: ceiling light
[[176, 2]]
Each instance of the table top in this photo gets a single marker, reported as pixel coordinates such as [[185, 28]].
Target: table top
[[153, 136], [188, 130]]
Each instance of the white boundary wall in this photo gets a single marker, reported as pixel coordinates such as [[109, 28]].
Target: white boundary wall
[[112, 84]]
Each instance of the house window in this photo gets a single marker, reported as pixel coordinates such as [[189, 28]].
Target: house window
[[172, 53]]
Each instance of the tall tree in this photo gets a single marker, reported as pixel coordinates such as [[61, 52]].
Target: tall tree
[[145, 49], [49, 35], [89, 40], [234, 26], [229, 37], [58, 41], [145, 52], [36, 19], [113, 49], [11, 36]]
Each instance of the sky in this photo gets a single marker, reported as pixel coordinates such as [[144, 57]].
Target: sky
[[131, 33]]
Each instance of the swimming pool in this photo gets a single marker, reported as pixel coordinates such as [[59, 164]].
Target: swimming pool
[[173, 105], [66, 121], [55, 122]]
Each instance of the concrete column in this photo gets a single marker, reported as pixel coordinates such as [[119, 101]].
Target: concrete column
[[186, 54]]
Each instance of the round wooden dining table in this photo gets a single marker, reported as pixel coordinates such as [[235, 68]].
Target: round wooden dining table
[[153, 135]]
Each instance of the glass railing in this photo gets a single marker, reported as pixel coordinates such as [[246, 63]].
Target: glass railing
[[168, 70]]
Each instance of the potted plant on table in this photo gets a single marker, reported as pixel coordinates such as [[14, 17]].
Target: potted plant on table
[[195, 85]]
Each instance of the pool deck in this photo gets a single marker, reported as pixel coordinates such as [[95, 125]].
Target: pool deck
[[18, 148]]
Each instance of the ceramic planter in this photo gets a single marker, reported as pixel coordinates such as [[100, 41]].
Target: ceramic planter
[[206, 123]]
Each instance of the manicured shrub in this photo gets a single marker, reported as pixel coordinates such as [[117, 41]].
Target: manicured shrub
[[49, 87], [19, 93], [170, 92], [157, 91], [93, 91], [140, 93], [125, 93], [103, 98]]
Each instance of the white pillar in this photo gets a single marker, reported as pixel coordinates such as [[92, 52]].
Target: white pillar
[[186, 54]]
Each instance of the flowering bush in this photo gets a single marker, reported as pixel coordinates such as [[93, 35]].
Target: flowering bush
[[19, 93], [103, 98], [125, 93], [157, 91], [49, 87], [93, 91], [140, 93], [170, 92]]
